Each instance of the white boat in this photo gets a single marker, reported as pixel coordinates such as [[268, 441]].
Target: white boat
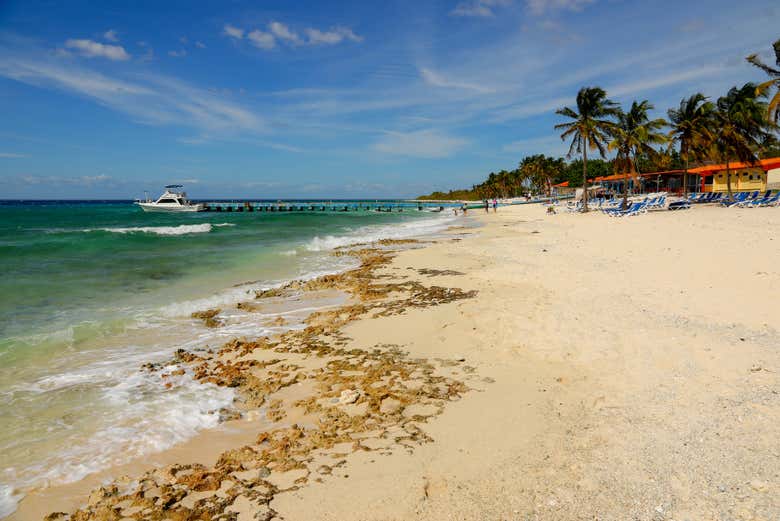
[[171, 201]]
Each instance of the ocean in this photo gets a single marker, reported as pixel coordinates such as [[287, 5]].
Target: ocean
[[90, 291]]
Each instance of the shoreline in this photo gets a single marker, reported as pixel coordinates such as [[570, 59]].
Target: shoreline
[[154, 330], [586, 367], [204, 446]]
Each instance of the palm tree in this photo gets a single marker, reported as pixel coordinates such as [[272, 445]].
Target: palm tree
[[691, 129], [773, 109], [740, 127], [590, 124], [634, 134]]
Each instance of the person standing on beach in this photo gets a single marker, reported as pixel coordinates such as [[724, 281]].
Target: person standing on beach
[[465, 207], [487, 206], [495, 205]]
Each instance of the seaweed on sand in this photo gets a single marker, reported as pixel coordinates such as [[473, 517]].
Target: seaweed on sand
[[209, 317], [372, 399]]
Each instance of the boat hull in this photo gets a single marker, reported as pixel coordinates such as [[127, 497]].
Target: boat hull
[[154, 207]]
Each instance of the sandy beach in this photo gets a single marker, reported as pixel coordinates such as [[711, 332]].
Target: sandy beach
[[535, 367]]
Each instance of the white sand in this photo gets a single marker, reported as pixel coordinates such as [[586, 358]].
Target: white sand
[[636, 375], [623, 369]]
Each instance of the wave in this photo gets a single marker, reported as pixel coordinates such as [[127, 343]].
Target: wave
[[8, 500], [242, 292], [182, 229], [133, 403], [368, 234]]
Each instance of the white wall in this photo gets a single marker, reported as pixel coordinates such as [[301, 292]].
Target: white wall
[[773, 179]]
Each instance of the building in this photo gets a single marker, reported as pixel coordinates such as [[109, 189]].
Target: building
[[744, 177], [764, 175], [562, 189], [668, 181]]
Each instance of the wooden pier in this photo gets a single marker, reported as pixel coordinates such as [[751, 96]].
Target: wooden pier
[[310, 207]]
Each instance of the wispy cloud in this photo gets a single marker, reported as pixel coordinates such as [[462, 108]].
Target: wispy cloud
[[149, 99], [540, 7], [178, 54], [284, 33], [92, 49], [437, 80], [86, 180], [11, 155], [421, 143], [111, 35], [662, 80], [332, 36], [551, 145], [148, 54], [262, 39], [233, 32], [478, 8]]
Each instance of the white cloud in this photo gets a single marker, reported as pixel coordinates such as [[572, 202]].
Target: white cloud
[[262, 39], [540, 7], [478, 8], [200, 45], [177, 54], [420, 143], [233, 32], [283, 32], [111, 35], [331, 37], [437, 80], [93, 49], [11, 155], [150, 99], [280, 32]]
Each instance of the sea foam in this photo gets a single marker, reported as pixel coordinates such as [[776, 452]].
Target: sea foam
[[368, 234], [182, 229]]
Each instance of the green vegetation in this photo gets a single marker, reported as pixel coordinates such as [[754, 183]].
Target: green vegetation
[[773, 109], [633, 135], [739, 126], [689, 126], [591, 126]]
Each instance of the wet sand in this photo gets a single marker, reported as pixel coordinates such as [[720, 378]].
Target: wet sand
[[540, 367]]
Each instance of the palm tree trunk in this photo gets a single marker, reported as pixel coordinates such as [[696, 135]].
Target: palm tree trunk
[[685, 177], [585, 176], [624, 206], [728, 180]]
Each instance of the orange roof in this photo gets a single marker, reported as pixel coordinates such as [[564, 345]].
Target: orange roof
[[617, 177], [565, 183], [765, 164]]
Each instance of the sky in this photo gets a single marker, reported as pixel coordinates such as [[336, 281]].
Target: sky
[[311, 99]]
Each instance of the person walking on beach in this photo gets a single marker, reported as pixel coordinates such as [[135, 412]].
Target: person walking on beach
[[487, 206], [495, 205], [464, 208]]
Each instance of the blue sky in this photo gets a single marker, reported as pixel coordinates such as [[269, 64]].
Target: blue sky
[[333, 99]]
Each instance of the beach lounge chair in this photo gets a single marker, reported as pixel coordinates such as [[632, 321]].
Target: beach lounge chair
[[680, 205], [634, 209], [770, 200], [737, 199], [659, 203]]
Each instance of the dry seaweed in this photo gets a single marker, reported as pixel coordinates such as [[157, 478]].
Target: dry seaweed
[[209, 317], [361, 399]]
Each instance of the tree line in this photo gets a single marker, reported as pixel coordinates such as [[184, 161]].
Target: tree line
[[740, 126]]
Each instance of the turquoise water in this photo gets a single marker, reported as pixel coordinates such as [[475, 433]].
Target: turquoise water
[[90, 291]]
